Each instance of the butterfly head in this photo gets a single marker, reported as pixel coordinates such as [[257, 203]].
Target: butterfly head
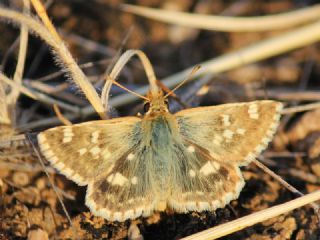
[[157, 104]]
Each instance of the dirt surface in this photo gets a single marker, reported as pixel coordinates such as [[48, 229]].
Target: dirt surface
[[29, 206]]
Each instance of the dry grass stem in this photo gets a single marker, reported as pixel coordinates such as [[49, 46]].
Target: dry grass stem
[[42, 13], [122, 61], [14, 94], [228, 24], [302, 108], [243, 222]]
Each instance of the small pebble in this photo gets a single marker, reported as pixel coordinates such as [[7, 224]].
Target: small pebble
[[20, 179]]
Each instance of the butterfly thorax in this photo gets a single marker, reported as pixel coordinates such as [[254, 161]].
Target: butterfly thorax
[[160, 133]]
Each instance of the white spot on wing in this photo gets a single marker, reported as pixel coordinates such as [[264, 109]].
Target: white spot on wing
[[253, 111], [192, 173], [191, 149], [67, 135], [228, 134], [226, 120], [241, 131], [134, 180], [130, 157], [207, 169], [95, 136], [119, 179], [82, 151], [254, 116], [95, 150]]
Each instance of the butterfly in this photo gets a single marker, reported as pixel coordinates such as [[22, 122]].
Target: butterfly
[[187, 161]]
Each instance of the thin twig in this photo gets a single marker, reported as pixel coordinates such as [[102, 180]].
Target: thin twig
[[62, 118], [286, 185], [25, 167], [39, 96], [254, 218]]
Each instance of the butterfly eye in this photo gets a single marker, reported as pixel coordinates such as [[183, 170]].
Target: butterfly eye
[[166, 102], [146, 107]]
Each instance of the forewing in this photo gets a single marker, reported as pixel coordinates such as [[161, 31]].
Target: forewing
[[84, 151], [234, 133]]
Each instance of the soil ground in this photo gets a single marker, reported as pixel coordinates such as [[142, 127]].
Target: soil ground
[[29, 207]]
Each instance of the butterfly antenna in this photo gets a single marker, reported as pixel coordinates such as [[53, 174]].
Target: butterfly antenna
[[194, 70], [126, 89]]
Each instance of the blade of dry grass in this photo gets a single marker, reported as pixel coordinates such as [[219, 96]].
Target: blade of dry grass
[[243, 222], [228, 24], [42, 13], [23, 44]]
